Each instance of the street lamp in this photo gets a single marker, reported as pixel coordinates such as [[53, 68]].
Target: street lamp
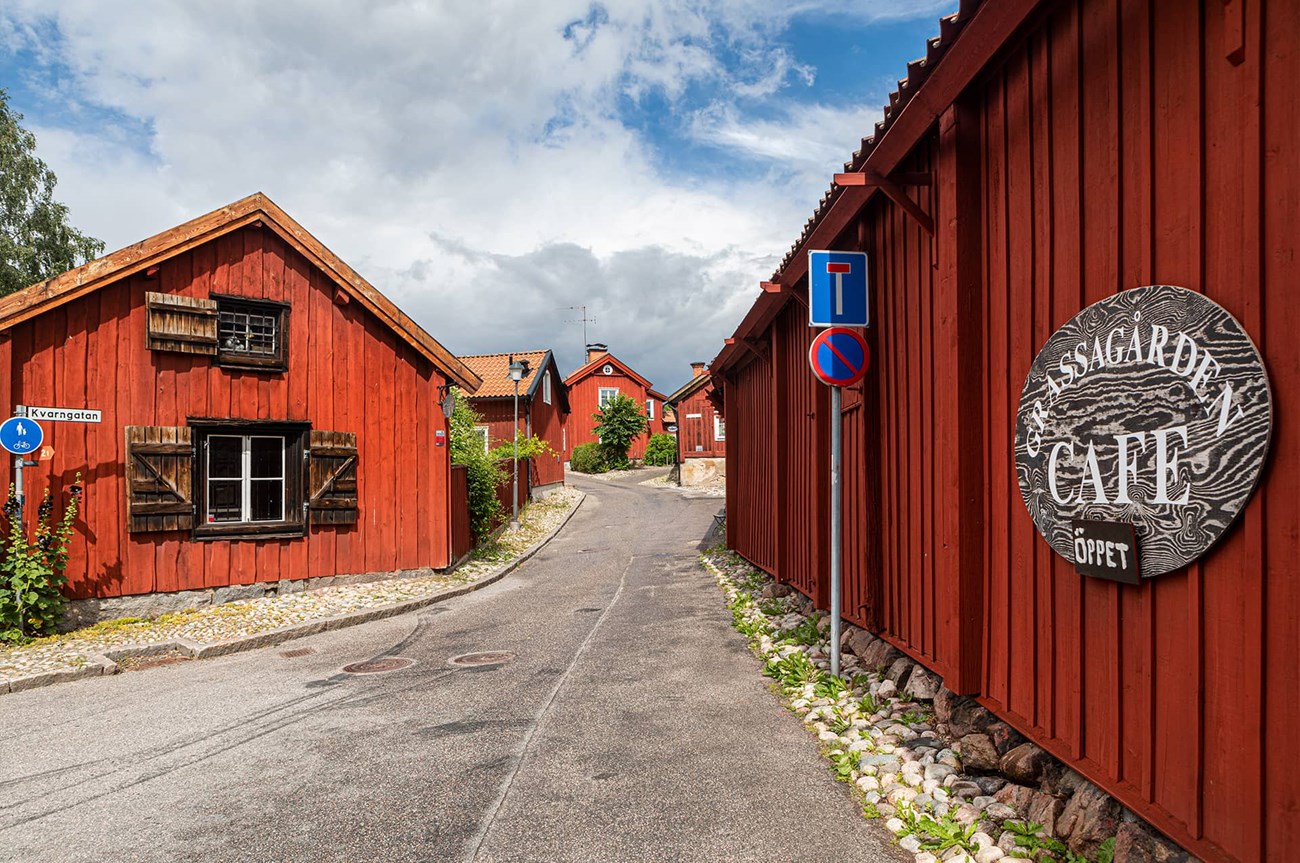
[[518, 368]]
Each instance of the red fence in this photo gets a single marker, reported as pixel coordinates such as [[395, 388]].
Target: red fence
[[462, 535], [504, 489]]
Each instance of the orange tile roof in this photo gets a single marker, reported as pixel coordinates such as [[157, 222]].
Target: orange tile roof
[[494, 369]]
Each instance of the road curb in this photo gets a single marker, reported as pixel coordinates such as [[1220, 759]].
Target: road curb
[[98, 665]]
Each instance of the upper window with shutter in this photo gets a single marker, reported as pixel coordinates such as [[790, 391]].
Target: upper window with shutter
[[252, 333], [186, 325]]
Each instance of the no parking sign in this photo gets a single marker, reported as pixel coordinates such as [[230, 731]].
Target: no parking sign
[[839, 356]]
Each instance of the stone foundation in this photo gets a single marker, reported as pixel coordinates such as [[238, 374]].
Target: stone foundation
[[84, 612], [702, 471], [1021, 777]]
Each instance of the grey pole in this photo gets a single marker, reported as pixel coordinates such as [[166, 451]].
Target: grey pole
[[837, 455], [514, 488]]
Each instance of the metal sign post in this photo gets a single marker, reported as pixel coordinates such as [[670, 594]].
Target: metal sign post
[[22, 437], [839, 357]]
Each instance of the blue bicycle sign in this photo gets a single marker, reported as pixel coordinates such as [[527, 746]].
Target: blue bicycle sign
[[20, 435]]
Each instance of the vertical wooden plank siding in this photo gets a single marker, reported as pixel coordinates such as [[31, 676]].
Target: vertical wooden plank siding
[[584, 400], [92, 352], [1111, 145], [695, 429]]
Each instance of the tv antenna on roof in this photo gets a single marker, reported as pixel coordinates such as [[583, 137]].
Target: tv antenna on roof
[[584, 319]]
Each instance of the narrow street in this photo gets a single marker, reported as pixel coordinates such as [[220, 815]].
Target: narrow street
[[631, 724]]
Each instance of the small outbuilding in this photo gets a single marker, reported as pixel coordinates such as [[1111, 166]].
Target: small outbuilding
[[266, 414], [543, 407], [701, 430]]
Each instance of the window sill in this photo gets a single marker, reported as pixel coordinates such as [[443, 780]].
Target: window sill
[[273, 530]]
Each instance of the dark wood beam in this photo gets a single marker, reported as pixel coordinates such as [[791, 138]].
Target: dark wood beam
[[899, 196]]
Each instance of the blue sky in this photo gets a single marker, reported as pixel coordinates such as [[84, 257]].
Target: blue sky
[[487, 165]]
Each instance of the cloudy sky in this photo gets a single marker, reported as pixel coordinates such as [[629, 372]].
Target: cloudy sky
[[487, 164]]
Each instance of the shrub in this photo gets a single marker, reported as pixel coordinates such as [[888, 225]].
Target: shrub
[[529, 447], [619, 422], [32, 570], [588, 458], [661, 449], [484, 475]]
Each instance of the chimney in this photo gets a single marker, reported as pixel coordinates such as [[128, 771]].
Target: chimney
[[596, 350], [697, 369]]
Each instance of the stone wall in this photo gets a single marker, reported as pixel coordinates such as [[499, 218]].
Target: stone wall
[[702, 471]]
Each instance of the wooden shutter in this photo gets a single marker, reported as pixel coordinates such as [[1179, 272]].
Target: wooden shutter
[[332, 477], [187, 325], [159, 478]]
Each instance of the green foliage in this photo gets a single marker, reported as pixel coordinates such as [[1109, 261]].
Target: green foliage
[[791, 671], [661, 449], [807, 632], [36, 241], [529, 447], [31, 572], [938, 834], [484, 474], [1030, 840], [618, 423], [844, 764], [830, 686], [588, 458]]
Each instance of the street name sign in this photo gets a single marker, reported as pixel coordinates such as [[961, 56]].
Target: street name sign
[[67, 415], [21, 435], [837, 289], [839, 356]]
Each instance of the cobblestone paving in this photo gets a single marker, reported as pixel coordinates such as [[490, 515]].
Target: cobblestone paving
[[234, 620]]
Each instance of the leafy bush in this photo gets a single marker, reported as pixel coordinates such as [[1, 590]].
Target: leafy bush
[[529, 447], [661, 449], [484, 473], [618, 423], [588, 458], [32, 570]]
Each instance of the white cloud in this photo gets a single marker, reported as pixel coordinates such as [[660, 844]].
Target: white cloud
[[470, 159]]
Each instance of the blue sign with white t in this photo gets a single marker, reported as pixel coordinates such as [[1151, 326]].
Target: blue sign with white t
[[837, 289], [21, 436]]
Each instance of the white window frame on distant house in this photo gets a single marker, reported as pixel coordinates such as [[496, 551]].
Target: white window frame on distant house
[[650, 409], [546, 387], [719, 428], [605, 396], [483, 430]]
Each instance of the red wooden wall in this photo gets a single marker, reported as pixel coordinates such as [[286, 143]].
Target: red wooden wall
[[1111, 145], [695, 433], [462, 531], [584, 400], [352, 374], [547, 424], [751, 465]]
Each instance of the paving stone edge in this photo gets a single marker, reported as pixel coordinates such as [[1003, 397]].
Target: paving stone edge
[[99, 664]]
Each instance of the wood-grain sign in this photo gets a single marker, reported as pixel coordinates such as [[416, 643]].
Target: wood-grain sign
[[1151, 407]]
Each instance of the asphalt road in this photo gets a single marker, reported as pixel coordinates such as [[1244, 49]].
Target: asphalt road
[[631, 724]]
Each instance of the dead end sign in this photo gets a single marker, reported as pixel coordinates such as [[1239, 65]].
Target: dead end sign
[[839, 356]]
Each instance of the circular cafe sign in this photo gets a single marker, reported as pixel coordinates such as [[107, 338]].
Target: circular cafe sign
[[1151, 407]]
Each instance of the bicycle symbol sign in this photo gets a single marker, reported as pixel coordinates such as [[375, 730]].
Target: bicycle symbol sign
[[21, 435]]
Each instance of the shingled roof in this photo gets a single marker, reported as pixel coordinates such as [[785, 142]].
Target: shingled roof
[[494, 369]]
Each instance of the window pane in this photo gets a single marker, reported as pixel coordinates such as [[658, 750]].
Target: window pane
[[267, 457], [225, 457], [267, 500], [245, 331], [223, 501]]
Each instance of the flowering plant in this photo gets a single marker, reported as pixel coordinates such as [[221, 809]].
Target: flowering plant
[[31, 571]]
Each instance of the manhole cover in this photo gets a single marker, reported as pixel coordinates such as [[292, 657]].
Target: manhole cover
[[377, 666], [297, 652], [486, 657]]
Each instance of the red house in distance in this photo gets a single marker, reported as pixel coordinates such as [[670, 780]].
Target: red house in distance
[[267, 414], [701, 432], [601, 378], [543, 407]]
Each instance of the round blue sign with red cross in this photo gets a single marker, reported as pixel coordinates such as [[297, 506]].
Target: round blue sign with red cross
[[839, 356]]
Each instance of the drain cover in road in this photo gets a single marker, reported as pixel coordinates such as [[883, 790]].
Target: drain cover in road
[[486, 657], [378, 666]]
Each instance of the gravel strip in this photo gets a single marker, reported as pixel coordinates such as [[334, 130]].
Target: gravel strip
[[73, 651]]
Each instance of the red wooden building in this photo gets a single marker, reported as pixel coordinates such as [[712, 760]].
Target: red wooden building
[[1046, 155], [601, 378], [701, 430], [543, 407], [267, 414]]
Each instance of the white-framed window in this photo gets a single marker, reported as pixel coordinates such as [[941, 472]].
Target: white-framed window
[[482, 431], [607, 395], [719, 428], [245, 477], [546, 387], [607, 369], [650, 408]]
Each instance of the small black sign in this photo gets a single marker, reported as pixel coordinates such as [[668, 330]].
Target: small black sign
[[1105, 549]]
